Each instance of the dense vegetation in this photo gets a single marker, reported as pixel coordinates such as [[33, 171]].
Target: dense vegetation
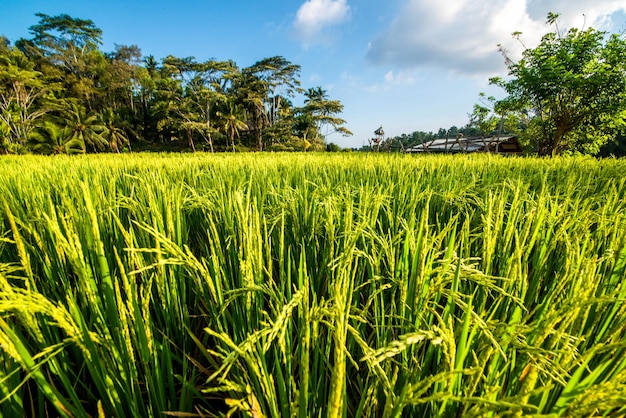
[[566, 95], [310, 285], [60, 94]]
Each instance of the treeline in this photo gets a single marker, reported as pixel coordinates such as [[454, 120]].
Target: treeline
[[60, 93], [612, 147], [615, 147]]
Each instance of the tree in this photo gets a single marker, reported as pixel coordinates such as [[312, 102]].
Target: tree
[[4, 43], [24, 95], [305, 126], [262, 89], [322, 111], [64, 39], [149, 79], [115, 136], [52, 139], [282, 82], [332, 147], [66, 50], [250, 91], [188, 92], [120, 81], [231, 120], [489, 119], [86, 127], [572, 86]]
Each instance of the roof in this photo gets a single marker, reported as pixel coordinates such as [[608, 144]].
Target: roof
[[500, 145]]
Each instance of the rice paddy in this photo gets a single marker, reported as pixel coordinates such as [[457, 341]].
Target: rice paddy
[[297, 285]]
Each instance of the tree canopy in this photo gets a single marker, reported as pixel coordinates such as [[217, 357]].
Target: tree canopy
[[566, 95], [60, 93], [570, 90]]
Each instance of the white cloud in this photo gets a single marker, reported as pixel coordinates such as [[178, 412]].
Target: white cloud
[[462, 35], [315, 16], [401, 78], [381, 83], [576, 13]]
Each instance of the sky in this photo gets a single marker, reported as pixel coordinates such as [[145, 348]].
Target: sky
[[406, 65]]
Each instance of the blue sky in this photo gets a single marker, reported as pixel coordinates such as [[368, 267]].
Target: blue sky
[[407, 65]]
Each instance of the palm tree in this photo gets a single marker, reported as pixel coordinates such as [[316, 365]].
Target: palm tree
[[257, 119], [49, 138], [315, 94], [322, 110], [116, 137], [86, 127], [249, 90], [232, 120]]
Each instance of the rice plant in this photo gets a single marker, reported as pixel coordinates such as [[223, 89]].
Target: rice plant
[[348, 285]]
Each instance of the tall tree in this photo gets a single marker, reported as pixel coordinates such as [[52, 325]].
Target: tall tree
[[24, 95], [192, 98], [64, 39], [231, 118], [115, 136], [262, 88], [572, 85], [251, 92], [282, 81], [121, 81], [147, 80], [66, 49], [322, 112]]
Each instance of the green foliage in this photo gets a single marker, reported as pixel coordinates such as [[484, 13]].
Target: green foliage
[[311, 285], [114, 135], [332, 147], [63, 33], [51, 139], [25, 97], [573, 88], [616, 147], [85, 127], [231, 120], [491, 119], [212, 105], [319, 112]]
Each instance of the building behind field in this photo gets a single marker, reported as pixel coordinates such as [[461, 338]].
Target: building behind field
[[497, 145]]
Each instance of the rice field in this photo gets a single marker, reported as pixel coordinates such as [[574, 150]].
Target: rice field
[[296, 285]]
